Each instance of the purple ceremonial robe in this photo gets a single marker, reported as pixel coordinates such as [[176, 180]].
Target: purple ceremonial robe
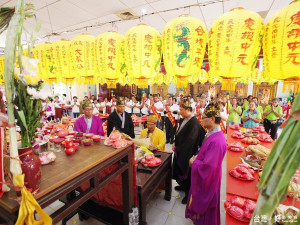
[[203, 205], [96, 127]]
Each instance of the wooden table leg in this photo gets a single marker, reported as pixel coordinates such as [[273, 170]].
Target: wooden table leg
[[142, 208], [127, 188], [168, 187]]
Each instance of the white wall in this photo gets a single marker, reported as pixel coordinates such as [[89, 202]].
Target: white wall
[[250, 89], [172, 89]]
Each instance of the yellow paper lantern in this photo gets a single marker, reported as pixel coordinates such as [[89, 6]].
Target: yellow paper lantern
[[256, 76], [193, 79], [62, 54], [203, 76], [158, 79], [51, 64], [47, 64], [82, 52], [212, 78], [170, 79], [38, 53], [2, 70], [282, 43], [267, 78], [184, 43], [142, 53], [234, 42], [110, 58]]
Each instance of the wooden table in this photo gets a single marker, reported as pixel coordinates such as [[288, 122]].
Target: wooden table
[[69, 172], [148, 183]]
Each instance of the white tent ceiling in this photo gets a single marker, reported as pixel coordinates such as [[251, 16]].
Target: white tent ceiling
[[66, 15]]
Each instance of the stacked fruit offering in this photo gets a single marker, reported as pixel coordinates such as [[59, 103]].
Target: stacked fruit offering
[[242, 172], [240, 208]]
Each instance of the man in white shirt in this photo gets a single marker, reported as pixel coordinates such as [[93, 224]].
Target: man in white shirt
[[170, 119], [136, 110], [128, 105], [113, 104], [102, 108], [65, 105], [193, 104], [144, 109], [96, 106], [75, 107], [159, 108]]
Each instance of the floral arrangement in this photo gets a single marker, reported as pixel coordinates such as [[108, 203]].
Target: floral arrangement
[[28, 111]]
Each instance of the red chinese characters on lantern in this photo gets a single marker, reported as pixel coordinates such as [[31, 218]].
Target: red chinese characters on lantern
[[274, 52], [148, 46], [295, 19], [245, 46], [227, 50], [293, 45], [275, 30], [112, 42], [197, 62], [248, 35], [293, 58], [100, 53], [148, 38], [134, 49], [218, 43], [294, 33], [147, 63], [78, 57], [111, 51], [199, 31], [249, 23], [241, 59], [200, 42], [229, 35]]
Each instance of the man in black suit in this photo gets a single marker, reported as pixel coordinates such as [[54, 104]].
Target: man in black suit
[[120, 120]]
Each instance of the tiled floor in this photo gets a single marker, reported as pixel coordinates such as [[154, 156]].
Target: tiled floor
[[159, 211]]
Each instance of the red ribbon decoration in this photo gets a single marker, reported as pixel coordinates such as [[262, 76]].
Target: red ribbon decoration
[[199, 117], [155, 112], [170, 116]]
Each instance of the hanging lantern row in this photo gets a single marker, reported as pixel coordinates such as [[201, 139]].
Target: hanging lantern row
[[234, 43]]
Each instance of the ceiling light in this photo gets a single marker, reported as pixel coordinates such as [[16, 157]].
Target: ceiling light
[[143, 11], [65, 32]]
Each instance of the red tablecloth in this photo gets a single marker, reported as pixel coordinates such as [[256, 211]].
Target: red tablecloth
[[247, 189]]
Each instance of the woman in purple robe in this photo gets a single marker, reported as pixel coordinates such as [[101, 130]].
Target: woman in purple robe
[[89, 123], [203, 205]]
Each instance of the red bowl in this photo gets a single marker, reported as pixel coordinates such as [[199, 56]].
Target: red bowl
[[87, 143], [58, 140], [72, 132], [77, 140], [79, 134], [89, 135], [97, 139], [69, 136], [76, 145]]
